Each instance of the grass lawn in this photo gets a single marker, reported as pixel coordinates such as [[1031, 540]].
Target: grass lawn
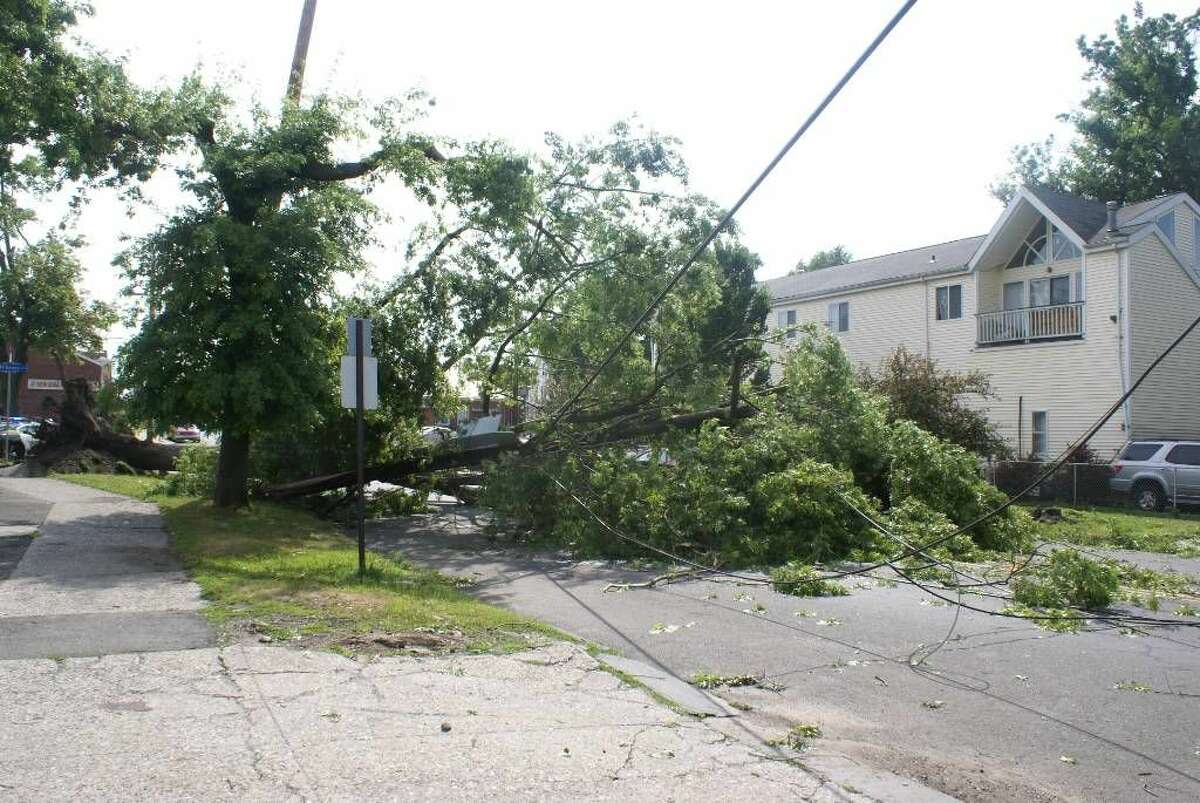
[[1169, 533], [286, 574]]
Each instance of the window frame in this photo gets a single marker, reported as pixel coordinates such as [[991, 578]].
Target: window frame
[[1033, 434], [833, 317], [1167, 231], [937, 304], [1176, 448], [787, 319]]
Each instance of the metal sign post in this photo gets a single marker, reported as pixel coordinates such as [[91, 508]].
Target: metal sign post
[[8, 369], [360, 390]]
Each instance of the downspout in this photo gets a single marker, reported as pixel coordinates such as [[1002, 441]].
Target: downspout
[[1020, 420], [925, 295]]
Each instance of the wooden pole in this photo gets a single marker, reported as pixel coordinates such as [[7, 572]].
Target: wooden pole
[[300, 55]]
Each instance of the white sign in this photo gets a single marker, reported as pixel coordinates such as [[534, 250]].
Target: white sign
[[45, 384], [351, 335], [370, 383]]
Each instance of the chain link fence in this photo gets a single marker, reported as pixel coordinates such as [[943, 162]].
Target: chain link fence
[[1071, 484]]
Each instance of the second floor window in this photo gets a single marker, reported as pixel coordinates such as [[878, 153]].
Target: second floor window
[[949, 302], [787, 320], [839, 316]]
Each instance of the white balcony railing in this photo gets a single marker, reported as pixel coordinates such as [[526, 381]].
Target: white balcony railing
[[1029, 323]]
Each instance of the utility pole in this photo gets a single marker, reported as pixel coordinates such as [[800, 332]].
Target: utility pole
[[300, 55]]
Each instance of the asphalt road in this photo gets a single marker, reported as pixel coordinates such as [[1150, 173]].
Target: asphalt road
[[20, 516], [1005, 711]]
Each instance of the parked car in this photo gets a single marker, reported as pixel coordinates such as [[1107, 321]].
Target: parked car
[[187, 433], [22, 437], [1158, 473], [437, 435]]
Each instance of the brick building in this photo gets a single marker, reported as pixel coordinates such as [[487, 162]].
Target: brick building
[[38, 393]]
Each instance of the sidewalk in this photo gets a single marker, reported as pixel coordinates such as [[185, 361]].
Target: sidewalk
[[251, 721]]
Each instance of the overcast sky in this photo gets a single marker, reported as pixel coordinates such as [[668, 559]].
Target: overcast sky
[[902, 158]]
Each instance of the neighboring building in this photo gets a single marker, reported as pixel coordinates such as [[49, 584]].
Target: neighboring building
[[1063, 304], [41, 386]]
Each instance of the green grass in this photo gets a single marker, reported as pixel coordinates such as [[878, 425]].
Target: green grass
[[1168, 533], [138, 487], [289, 574]]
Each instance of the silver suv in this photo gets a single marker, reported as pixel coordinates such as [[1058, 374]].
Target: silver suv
[[1158, 473]]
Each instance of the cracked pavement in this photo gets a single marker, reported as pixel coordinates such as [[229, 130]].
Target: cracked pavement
[[1004, 711], [97, 702], [257, 722]]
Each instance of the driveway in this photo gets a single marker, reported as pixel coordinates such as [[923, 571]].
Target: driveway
[[1005, 711]]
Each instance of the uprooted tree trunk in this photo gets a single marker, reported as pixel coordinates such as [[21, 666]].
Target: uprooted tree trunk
[[80, 429]]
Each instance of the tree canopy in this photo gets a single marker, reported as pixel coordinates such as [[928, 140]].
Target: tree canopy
[[828, 258], [67, 115], [1137, 133]]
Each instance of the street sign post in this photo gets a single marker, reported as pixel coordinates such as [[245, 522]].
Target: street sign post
[[360, 390], [8, 369]]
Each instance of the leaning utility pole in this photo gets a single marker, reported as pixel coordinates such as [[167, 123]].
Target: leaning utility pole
[[300, 55]]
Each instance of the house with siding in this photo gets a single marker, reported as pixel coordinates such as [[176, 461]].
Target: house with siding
[[1063, 304]]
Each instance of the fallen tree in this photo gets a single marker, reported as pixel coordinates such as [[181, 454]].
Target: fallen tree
[[78, 428], [454, 456]]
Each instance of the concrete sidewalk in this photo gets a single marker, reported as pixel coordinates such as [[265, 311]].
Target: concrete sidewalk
[[148, 710], [258, 722], [100, 578]]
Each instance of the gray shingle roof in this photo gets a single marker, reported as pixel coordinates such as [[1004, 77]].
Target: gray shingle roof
[[1088, 218], [903, 265], [1083, 215]]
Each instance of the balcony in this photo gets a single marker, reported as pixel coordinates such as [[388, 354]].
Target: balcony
[[1029, 324]]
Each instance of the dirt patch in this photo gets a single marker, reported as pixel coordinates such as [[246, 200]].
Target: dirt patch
[[87, 461], [414, 642]]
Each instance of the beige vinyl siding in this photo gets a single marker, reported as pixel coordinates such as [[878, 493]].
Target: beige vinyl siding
[[1163, 301], [1073, 381], [880, 319], [951, 341]]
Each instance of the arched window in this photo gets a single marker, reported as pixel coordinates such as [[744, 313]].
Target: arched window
[[1044, 244]]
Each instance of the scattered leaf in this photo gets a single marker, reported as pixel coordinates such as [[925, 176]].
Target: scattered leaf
[[933, 704], [829, 622], [1068, 760]]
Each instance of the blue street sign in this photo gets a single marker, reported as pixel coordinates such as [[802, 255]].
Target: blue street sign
[[12, 367]]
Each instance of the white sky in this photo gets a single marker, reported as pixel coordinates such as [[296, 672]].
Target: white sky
[[901, 159]]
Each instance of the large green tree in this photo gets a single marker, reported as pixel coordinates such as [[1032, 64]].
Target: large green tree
[[237, 289], [69, 116], [1137, 134]]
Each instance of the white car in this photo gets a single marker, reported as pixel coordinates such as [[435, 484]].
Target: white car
[[437, 435]]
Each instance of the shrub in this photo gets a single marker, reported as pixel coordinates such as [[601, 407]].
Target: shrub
[[195, 472], [1068, 579], [801, 580]]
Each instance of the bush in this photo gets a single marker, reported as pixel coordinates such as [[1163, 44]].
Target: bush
[[801, 580], [1068, 579], [195, 472]]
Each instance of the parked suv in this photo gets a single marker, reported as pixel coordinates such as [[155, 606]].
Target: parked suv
[[1158, 473]]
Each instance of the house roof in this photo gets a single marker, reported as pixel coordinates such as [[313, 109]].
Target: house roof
[[1085, 216], [930, 260], [1088, 217]]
